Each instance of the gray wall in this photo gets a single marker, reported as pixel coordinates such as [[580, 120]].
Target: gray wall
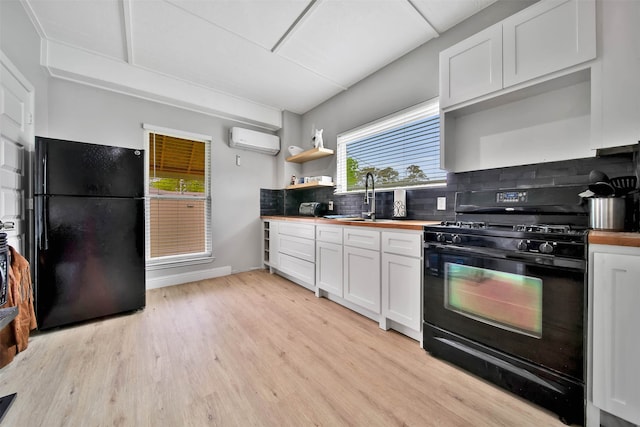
[[21, 43], [289, 135], [84, 113], [408, 81], [77, 112]]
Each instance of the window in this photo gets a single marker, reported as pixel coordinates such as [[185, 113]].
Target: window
[[401, 150], [178, 196]]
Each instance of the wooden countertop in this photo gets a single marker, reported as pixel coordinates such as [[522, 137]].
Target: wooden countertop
[[402, 224], [615, 238]]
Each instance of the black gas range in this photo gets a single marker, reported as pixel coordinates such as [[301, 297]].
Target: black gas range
[[505, 292], [553, 240]]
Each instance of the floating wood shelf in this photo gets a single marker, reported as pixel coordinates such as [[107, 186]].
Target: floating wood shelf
[[310, 185], [313, 154]]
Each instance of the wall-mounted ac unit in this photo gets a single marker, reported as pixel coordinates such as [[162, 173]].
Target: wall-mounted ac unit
[[254, 141]]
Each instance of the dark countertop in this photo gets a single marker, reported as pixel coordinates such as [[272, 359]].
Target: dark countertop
[[597, 237], [401, 224]]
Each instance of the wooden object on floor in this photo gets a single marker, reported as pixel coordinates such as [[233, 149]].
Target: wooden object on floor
[[250, 349], [6, 316]]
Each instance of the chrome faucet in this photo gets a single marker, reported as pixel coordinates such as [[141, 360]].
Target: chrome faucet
[[370, 200]]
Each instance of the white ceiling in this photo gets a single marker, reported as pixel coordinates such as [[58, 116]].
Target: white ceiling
[[285, 54]]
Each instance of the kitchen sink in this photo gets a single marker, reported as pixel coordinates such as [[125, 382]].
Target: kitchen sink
[[349, 219]]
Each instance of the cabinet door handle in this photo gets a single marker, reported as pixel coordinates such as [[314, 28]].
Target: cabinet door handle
[[189, 205]]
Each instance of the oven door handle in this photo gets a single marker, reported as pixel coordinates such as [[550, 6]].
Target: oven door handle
[[528, 257], [485, 252], [551, 260]]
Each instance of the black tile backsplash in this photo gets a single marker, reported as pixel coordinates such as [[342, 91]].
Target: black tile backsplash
[[421, 203], [271, 202]]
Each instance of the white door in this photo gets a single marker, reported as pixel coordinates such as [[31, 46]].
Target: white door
[[361, 277], [16, 137], [546, 37], [472, 67], [329, 267], [616, 349], [401, 286]]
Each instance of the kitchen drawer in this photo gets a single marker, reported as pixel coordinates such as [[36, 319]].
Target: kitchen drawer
[[297, 268], [407, 244], [360, 237], [297, 247], [329, 234], [298, 230]]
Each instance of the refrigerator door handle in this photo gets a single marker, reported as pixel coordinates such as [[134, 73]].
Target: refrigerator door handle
[[45, 229], [42, 217], [44, 174]]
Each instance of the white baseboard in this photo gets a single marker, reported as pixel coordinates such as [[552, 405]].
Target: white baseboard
[[178, 279]]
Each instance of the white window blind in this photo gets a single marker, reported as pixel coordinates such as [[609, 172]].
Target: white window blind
[[178, 198], [401, 150]]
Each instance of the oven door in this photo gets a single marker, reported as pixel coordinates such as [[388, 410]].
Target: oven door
[[529, 306]]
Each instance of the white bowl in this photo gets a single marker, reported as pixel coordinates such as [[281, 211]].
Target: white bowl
[[295, 150]]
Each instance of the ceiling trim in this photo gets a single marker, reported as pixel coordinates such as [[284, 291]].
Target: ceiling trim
[[128, 30], [431, 27], [84, 67], [34, 19], [306, 13]]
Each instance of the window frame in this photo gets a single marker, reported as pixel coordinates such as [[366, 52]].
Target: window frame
[[182, 259], [407, 115]]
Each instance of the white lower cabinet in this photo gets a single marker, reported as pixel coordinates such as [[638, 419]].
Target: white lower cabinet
[[294, 251], [375, 273], [329, 267], [274, 251], [402, 279], [297, 269], [297, 247], [362, 277], [269, 245], [615, 287]]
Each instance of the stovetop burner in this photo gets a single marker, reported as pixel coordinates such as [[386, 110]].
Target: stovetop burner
[[527, 228], [465, 224], [545, 228]]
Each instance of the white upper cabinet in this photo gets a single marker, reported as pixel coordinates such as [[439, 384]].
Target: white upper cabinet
[[616, 81], [472, 67], [546, 37]]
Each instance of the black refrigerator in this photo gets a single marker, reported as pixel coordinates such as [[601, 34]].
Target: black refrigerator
[[89, 226]]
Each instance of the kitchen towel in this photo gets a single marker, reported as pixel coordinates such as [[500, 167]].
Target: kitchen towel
[[14, 338], [399, 203]]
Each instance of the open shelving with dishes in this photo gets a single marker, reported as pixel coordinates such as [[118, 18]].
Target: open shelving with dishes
[[312, 154], [309, 185]]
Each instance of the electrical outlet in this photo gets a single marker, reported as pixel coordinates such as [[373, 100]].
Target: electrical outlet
[[237, 160], [441, 204], [330, 205]]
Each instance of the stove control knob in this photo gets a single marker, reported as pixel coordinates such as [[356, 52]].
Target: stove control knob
[[546, 248], [440, 237], [522, 245], [456, 239]]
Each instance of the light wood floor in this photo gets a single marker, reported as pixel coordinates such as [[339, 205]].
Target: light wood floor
[[250, 349]]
